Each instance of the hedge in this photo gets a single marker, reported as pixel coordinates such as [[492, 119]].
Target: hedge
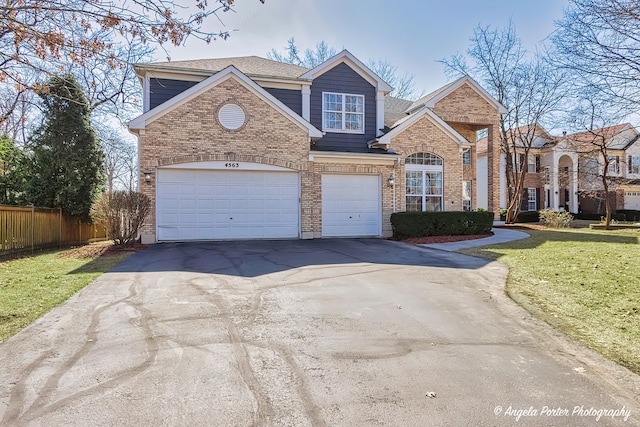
[[630, 215], [421, 224], [596, 216]]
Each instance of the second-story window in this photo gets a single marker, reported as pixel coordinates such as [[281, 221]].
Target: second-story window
[[466, 156], [342, 112], [634, 164], [613, 165]]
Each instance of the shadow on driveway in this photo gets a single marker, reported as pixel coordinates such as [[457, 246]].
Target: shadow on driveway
[[252, 258]]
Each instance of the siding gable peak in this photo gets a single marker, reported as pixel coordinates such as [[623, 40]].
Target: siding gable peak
[[354, 63]]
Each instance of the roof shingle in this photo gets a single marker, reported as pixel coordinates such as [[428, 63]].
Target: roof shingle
[[252, 66]]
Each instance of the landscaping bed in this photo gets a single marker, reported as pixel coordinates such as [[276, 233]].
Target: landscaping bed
[[427, 240]]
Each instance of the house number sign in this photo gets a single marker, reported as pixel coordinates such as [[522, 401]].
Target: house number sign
[[232, 165]]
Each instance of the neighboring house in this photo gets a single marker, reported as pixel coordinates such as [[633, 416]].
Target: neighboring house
[[565, 173], [252, 148]]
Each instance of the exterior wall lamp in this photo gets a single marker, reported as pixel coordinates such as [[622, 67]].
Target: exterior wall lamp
[[147, 175], [391, 181]]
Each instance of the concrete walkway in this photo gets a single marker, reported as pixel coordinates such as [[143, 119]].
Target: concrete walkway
[[500, 235]]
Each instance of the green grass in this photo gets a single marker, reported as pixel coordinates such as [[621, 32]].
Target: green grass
[[586, 283], [30, 287]]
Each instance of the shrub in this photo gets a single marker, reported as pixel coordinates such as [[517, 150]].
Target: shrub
[[528, 216], [629, 215], [123, 213], [421, 224], [619, 216], [555, 219]]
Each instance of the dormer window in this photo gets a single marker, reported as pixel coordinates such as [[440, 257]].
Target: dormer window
[[342, 112]]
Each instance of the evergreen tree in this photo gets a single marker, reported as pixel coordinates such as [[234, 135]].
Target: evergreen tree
[[11, 176], [66, 165]]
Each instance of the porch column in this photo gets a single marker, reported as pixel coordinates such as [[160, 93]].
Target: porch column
[[574, 186], [555, 188]]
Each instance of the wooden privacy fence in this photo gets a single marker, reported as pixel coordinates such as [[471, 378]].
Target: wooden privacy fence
[[28, 228]]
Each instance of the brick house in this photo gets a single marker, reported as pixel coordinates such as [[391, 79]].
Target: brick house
[[252, 148], [564, 173]]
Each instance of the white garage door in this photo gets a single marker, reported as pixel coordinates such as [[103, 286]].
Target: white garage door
[[632, 200], [351, 205], [214, 204]]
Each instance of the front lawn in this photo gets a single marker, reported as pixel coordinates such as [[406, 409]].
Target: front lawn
[[30, 287], [584, 282]]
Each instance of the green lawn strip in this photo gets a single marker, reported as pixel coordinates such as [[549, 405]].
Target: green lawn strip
[[30, 287], [586, 283]]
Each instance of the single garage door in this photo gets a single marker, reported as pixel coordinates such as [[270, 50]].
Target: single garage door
[[632, 200], [351, 205], [220, 204]]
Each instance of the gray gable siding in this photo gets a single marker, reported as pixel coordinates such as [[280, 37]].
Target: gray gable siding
[[161, 90], [342, 79], [289, 97]]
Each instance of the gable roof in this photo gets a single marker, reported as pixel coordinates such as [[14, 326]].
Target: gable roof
[[357, 65], [407, 121], [431, 99], [395, 109], [252, 66], [613, 137], [534, 133], [140, 122]]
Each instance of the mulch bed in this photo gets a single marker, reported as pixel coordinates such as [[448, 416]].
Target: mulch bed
[[444, 239], [98, 249]]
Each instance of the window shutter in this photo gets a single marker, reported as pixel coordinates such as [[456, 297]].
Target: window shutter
[[537, 162], [524, 203], [537, 198], [629, 164]]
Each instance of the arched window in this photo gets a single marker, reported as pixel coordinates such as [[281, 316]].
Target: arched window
[[425, 182]]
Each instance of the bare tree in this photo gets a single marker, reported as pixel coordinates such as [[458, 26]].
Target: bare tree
[[526, 85], [404, 85], [598, 40], [34, 34], [120, 159], [598, 143]]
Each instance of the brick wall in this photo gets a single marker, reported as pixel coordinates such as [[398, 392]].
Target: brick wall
[[191, 133], [424, 136]]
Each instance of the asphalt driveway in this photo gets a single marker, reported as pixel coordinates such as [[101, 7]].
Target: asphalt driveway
[[321, 332]]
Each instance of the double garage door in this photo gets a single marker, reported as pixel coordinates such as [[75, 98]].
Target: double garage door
[[219, 204], [198, 204]]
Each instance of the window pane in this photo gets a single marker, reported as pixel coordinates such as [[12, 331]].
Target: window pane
[[424, 159], [333, 120], [433, 183], [414, 203], [354, 104], [433, 203], [332, 102], [354, 121], [414, 184], [466, 156]]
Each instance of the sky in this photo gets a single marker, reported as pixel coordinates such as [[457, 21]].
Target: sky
[[413, 35]]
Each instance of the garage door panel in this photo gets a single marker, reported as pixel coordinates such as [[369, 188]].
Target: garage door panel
[[213, 204], [351, 205]]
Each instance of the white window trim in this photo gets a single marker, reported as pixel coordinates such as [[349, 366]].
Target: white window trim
[[464, 154], [344, 114], [467, 185], [532, 197], [612, 168], [423, 169], [531, 165], [634, 167]]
